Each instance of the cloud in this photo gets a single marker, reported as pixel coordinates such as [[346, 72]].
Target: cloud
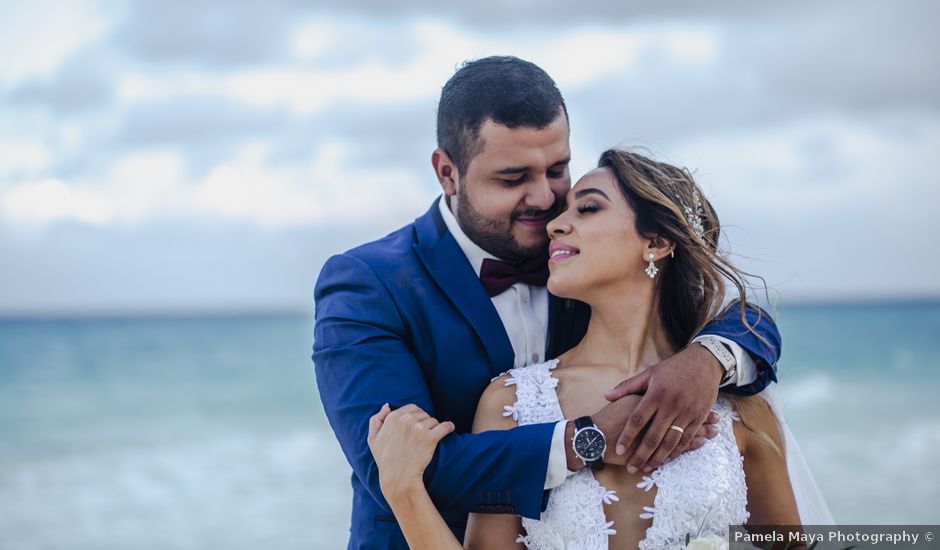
[[37, 36], [20, 157], [148, 187], [190, 119], [809, 122], [83, 82], [488, 15], [205, 33], [830, 207], [167, 266], [882, 58]]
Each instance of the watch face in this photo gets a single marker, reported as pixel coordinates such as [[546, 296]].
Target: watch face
[[589, 444]]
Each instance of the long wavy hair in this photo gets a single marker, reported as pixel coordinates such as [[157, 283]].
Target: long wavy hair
[[669, 204], [691, 284]]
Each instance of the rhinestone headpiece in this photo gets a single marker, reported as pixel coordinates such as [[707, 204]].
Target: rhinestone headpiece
[[694, 215]]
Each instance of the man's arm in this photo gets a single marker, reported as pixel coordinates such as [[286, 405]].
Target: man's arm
[[763, 345], [679, 392], [363, 360]]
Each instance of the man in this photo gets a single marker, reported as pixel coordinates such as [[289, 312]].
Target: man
[[429, 314]]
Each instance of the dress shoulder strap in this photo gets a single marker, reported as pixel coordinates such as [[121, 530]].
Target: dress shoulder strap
[[536, 400]]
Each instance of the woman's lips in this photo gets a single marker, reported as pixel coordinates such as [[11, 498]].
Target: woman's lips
[[558, 252]]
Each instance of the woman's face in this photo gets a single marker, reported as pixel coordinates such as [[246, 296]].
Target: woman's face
[[594, 242]]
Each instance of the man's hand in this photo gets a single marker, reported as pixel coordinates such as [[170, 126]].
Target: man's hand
[[679, 391], [612, 419]]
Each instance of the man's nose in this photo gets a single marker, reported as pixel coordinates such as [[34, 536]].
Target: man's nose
[[540, 194]]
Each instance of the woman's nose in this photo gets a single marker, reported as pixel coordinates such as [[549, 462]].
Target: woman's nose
[[557, 226]]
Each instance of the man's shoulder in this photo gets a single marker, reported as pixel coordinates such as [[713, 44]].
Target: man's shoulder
[[389, 248], [383, 260], [398, 246]]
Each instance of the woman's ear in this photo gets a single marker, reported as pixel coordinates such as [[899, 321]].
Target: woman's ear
[[446, 171], [660, 247]]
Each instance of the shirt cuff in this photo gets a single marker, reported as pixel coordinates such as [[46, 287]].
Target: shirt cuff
[[745, 371], [558, 470]]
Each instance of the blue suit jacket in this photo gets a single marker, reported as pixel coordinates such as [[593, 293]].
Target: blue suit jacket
[[406, 320]]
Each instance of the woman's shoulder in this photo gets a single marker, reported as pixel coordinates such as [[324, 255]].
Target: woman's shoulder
[[758, 424], [502, 393], [506, 384]]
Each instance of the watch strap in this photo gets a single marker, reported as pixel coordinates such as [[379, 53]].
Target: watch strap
[[583, 422]]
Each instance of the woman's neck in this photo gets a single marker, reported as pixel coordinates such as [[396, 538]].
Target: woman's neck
[[625, 331]]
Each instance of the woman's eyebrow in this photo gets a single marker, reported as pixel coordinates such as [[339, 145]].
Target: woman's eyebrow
[[590, 190]]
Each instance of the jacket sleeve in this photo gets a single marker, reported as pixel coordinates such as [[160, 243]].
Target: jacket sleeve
[[362, 359], [762, 343]]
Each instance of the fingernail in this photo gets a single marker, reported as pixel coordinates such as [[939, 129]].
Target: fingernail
[[647, 470], [620, 449], [631, 468]]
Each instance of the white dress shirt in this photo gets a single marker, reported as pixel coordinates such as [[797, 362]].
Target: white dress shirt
[[523, 309]]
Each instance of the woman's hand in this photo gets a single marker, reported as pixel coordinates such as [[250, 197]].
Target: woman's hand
[[403, 442]]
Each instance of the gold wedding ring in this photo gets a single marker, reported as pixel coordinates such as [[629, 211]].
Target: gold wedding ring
[[677, 428]]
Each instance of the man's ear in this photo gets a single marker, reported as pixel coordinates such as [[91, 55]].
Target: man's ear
[[660, 246], [446, 171]]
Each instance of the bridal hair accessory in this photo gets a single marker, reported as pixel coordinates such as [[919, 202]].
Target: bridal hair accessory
[[651, 269], [694, 215], [677, 428]]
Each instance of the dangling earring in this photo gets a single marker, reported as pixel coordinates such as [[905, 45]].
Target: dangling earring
[[651, 269], [672, 253]]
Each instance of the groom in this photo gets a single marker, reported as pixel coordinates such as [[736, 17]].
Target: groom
[[430, 313]]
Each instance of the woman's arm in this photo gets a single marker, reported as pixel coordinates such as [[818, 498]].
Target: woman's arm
[[494, 531], [402, 443], [769, 493]]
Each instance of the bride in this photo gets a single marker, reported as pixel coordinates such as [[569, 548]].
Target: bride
[[638, 243]]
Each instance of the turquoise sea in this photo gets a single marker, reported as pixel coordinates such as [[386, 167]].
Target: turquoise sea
[[206, 432]]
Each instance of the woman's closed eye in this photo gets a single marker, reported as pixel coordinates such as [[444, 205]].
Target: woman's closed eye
[[588, 208]]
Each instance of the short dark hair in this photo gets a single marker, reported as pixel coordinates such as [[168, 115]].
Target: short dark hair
[[510, 91]]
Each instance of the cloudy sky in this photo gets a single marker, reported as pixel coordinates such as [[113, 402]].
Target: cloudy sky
[[184, 156]]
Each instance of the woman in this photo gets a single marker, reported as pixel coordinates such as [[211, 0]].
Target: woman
[[638, 243]]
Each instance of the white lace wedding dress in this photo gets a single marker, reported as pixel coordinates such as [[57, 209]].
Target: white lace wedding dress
[[698, 494]]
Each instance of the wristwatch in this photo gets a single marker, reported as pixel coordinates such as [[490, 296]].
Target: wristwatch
[[588, 443], [721, 353]]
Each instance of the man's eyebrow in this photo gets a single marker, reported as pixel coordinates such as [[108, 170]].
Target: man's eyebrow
[[513, 170], [521, 169], [590, 190]]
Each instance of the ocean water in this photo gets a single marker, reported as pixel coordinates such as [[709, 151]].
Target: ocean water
[[196, 433]]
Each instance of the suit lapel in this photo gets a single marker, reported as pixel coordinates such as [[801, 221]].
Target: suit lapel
[[448, 266]]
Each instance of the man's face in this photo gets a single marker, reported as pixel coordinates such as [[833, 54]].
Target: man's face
[[514, 187]]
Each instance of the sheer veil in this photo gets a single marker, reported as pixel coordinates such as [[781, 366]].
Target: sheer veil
[[809, 499]]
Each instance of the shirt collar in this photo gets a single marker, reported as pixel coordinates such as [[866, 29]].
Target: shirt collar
[[471, 250]]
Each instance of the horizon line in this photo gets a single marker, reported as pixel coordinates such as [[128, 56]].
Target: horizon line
[[294, 311]]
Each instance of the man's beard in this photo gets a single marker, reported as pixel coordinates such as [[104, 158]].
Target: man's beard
[[493, 236]]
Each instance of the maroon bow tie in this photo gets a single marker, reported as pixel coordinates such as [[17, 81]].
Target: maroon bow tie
[[497, 276]]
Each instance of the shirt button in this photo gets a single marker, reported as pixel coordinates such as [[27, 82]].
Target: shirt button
[[524, 297], [535, 358]]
